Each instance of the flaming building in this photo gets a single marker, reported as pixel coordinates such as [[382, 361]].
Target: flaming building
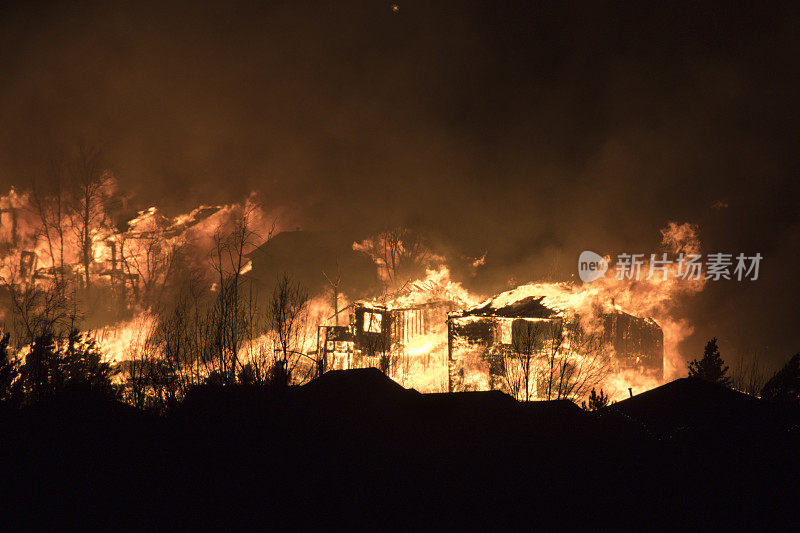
[[433, 341], [522, 331]]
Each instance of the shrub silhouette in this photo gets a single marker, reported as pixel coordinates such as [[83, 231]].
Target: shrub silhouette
[[55, 365]]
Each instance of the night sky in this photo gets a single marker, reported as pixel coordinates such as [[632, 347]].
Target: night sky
[[526, 130]]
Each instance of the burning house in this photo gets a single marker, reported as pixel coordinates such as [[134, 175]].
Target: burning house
[[36, 252], [405, 336], [536, 338], [536, 334]]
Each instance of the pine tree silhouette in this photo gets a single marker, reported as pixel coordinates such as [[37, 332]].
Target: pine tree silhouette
[[710, 367], [596, 401]]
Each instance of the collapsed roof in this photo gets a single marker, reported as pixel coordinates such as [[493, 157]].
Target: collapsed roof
[[527, 307], [544, 301]]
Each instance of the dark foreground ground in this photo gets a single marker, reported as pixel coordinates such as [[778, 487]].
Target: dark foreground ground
[[356, 451]]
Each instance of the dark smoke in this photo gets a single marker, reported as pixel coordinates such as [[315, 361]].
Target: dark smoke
[[528, 131]]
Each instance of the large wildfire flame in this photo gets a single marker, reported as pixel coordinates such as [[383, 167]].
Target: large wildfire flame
[[149, 237]]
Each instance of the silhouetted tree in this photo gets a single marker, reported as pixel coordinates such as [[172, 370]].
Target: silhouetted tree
[[85, 366], [550, 359], [9, 372], [234, 321], [596, 401], [247, 375], [519, 366], [784, 386], [711, 367], [576, 362], [288, 315], [41, 374], [49, 200], [92, 191], [748, 375], [400, 254], [55, 365], [38, 310]]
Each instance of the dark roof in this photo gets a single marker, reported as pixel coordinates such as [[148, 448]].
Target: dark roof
[[364, 384], [307, 256], [691, 403], [303, 242]]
